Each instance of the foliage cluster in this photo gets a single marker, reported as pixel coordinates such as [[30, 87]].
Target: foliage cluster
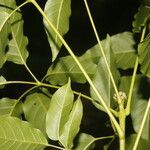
[[40, 116]]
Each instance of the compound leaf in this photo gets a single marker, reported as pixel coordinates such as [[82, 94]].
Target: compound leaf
[[58, 12]]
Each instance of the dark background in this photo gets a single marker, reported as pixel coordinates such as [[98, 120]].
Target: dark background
[[110, 16]]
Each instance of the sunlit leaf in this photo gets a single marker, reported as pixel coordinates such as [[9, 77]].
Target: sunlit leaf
[[17, 134], [58, 12], [4, 32], [59, 110], [102, 80], [35, 109], [123, 47], [144, 56], [141, 18], [17, 51], [84, 142], [142, 145], [72, 126], [138, 103]]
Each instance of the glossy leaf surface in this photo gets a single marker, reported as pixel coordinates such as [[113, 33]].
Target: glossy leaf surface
[[35, 109], [59, 110], [58, 12], [72, 126], [17, 134]]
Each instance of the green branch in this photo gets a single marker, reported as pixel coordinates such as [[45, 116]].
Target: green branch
[[80, 66], [51, 86], [102, 51], [99, 138], [128, 107]]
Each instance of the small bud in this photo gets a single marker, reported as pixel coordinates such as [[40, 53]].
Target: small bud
[[122, 95]]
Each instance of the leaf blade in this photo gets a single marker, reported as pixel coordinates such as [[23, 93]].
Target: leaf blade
[[144, 55], [102, 80], [83, 142], [67, 68], [141, 18], [58, 12], [19, 133], [4, 32], [35, 109], [17, 51], [59, 110], [72, 126]]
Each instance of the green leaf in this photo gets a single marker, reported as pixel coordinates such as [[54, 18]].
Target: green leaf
[[59, 110], [35, 109], [142, 145], [4, 32], [7, 105], [58, 12], [2, 80], [17, 111], [137, 114], [67, 67], [123, 47], [84, 142], [17, 51], [141, 18], [138, 103], [102, 80], [17, 134], [72, 126], [144, 56]]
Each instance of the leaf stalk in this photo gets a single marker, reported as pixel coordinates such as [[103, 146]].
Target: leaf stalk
[[80, 66]]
